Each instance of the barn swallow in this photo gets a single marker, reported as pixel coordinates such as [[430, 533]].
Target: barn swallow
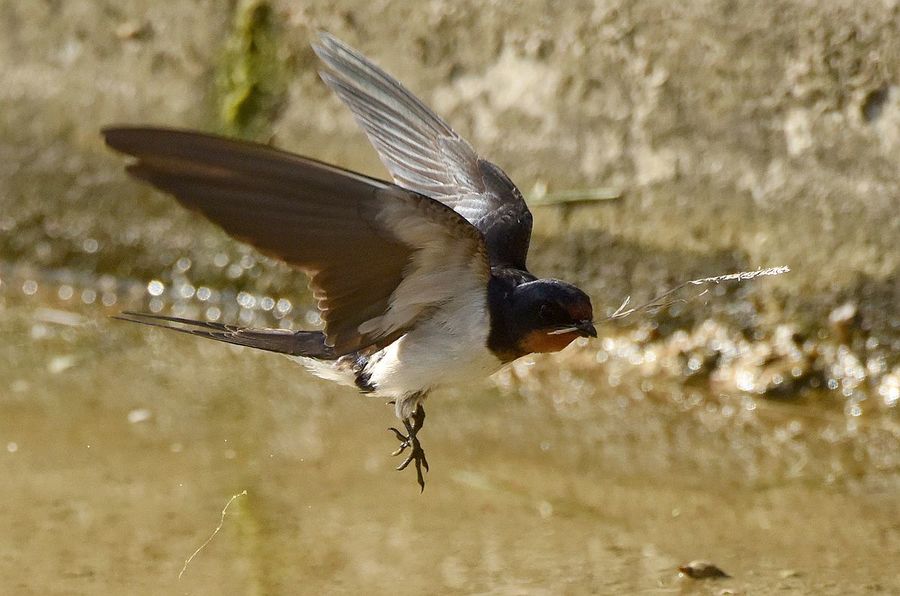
[[421, 282]]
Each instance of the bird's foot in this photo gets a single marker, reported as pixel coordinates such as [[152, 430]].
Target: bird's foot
[[410, 441]]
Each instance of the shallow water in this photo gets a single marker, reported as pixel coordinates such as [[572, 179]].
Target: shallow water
[[758, 430], [578, 472]]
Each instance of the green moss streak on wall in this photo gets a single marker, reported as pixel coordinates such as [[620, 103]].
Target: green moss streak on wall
[[251, 79]]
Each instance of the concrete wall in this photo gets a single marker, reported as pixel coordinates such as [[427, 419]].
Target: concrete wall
[[741, 134]]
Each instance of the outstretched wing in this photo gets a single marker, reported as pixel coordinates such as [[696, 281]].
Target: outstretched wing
[[424, 154], [379, 256]]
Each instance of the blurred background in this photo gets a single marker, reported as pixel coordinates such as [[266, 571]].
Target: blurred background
[[756, 427]]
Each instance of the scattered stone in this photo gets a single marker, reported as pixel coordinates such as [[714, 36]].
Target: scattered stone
[[889, 388], [133, 30], [60, 364], [842, 320], [702, 570], [139, 415]]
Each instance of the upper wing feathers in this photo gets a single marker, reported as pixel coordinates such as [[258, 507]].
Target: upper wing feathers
[[424, 154], [366, 244]]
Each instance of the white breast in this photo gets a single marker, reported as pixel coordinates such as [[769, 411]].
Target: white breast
[[437, 352], [447, 348]]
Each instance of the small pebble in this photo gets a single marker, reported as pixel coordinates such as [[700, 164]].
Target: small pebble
[[139, 415], [133, 30], [702, 570]]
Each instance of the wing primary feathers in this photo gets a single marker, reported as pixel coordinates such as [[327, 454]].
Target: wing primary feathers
[[366, 244], [424, 154]]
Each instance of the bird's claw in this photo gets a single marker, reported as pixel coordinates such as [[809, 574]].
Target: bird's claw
[[416, 454], [404, 441]]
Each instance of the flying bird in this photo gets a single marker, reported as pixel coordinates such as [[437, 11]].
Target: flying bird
[[421, 282]]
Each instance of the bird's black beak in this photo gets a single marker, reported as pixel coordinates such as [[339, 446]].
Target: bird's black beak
[[586, 328]]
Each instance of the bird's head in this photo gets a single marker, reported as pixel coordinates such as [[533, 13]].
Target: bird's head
[[549, 314]]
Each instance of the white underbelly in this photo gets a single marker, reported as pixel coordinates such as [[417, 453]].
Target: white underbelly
[[449, 348], [427, 358]]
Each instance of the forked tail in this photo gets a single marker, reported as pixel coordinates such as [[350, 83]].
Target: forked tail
[[284, 341]]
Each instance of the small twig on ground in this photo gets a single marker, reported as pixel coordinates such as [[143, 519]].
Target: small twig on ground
[[213, 535], [663, 300]]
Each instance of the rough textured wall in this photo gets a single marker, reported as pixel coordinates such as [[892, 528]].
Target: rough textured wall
[[740, 134]]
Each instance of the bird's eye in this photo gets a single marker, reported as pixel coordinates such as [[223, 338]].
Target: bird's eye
[[549, 312]]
